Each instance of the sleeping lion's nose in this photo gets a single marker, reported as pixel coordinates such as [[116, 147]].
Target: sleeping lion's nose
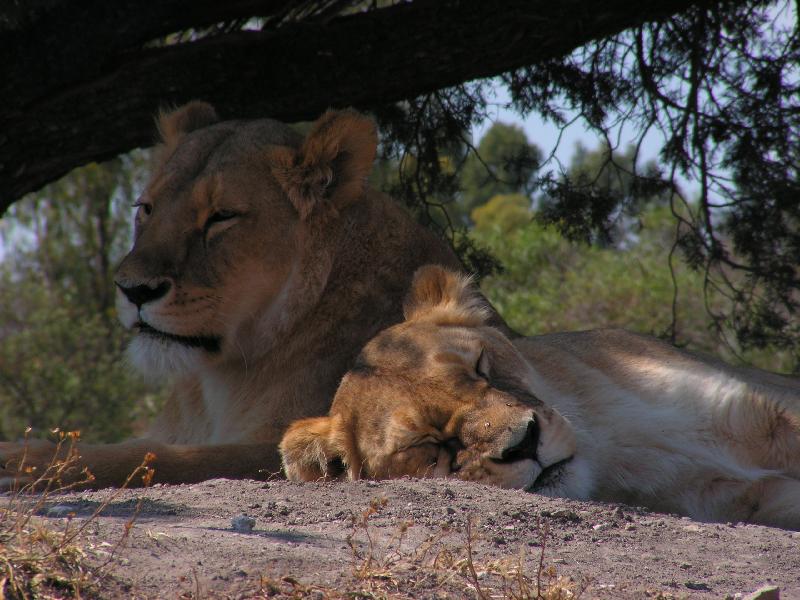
[[526, 448]]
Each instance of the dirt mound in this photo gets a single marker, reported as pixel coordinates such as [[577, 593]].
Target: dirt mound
[[421, 539]]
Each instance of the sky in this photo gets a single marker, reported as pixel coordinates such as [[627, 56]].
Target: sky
[[546, 134]]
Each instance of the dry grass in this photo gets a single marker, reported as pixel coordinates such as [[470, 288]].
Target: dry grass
[[444, 565], [47, 558], [40, 558]]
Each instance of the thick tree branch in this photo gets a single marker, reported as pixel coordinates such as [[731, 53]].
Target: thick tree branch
[[74, 114], [67, 41]]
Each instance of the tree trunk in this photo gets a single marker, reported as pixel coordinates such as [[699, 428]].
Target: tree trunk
[[92, 93]]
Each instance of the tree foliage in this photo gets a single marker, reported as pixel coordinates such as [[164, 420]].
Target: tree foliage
[[61, 350], [716, 80], [503, 213], [720, 85], [549, 283], [89, 74], [504, 162], [610, 178]]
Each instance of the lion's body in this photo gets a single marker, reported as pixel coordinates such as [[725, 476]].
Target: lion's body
[[604, 415], [673, 431], [262, 263]]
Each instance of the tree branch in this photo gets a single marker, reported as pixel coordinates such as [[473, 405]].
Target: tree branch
[[67, 41], [90, 108]]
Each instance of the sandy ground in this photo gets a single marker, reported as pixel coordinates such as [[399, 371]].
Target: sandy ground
[[412, 538]]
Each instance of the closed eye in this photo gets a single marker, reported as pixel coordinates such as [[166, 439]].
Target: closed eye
[[482, 366], [220, 216], [146, 207], [219, 221]]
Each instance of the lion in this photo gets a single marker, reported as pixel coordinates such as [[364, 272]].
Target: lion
[[262, 263], [598, 415]]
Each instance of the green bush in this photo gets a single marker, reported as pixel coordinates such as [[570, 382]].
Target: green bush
[[550, 284]]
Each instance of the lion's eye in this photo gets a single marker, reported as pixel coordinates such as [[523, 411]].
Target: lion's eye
[[219, 221], [482, 366], [144, 207], [220, 216]]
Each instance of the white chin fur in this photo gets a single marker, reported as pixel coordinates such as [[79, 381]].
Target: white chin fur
[[577, 481], [127, 313], [161, 358]]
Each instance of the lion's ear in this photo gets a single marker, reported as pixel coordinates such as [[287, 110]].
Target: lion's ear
[[315, 449], [445, 298], [333, 163], [174, 124]]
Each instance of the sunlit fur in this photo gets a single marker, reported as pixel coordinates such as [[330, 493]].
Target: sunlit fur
[[640, 421], [277, 263]]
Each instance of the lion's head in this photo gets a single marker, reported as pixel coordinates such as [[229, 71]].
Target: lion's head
[[441, 394], [227, 233]]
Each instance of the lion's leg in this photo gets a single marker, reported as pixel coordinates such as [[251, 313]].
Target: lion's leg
[[186, 464], [779, 504], [112, 464]]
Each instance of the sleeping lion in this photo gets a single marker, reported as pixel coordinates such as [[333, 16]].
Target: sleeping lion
[[603, 415], [262, 264]]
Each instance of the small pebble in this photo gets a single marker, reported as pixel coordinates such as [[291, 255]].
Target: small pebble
[[697, 585], [565, 514], [243, 523]]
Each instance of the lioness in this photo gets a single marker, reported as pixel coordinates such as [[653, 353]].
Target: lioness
[[604, 415], [262, 264]]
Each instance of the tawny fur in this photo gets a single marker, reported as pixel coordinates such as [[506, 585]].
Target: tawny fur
[[636, 420], [274, 246]]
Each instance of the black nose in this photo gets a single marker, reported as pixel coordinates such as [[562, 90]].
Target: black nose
[[142, 294], [526, 448]]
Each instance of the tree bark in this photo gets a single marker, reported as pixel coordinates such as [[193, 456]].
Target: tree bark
[[92, 93]]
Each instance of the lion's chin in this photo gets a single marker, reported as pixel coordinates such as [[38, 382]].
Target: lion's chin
[[208, 343], [162, 358]]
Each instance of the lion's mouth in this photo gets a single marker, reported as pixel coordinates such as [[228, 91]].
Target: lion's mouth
[[207, 343], [550, 475]]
